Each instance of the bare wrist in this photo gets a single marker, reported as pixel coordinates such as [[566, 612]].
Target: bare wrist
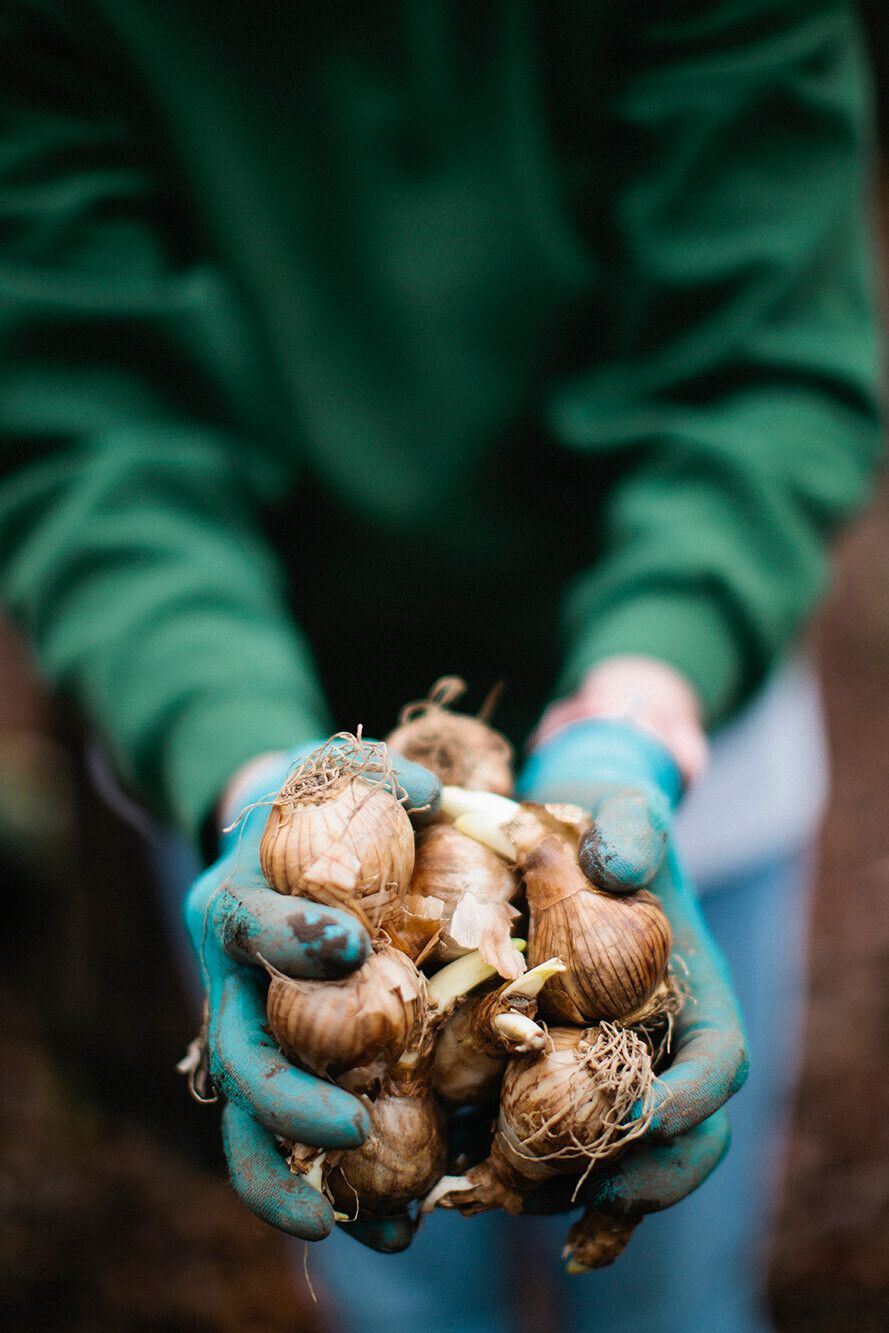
[[644, 691]]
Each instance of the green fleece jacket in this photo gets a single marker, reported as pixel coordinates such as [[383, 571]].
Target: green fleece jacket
[[366, 334]]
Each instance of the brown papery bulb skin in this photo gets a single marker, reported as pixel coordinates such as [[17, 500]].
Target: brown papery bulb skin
[[333, 1026], [462, 750], [352, 848], [616, 948], [561, 1112], [400, 1160], [475, 887], [596, 1239], [548, 1105]]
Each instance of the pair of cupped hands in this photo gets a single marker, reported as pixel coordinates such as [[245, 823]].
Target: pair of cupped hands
[[631, 785]]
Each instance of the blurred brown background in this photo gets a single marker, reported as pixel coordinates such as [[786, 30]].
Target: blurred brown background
[[114, 1212]]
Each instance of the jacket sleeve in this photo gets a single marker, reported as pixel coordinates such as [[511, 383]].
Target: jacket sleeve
[[130, 551], [736, 384]]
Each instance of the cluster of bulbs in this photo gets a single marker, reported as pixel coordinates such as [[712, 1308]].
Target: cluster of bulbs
[[500, 978]]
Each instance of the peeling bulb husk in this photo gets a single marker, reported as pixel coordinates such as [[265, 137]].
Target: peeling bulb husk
[[462, 890], [338, 834], [333, 1026], [398, 1163]]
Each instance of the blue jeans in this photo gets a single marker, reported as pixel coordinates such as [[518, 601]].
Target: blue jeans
[[696, 1268]]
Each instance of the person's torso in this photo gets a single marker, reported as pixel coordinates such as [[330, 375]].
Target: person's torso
[[392, 194], [389, 190]]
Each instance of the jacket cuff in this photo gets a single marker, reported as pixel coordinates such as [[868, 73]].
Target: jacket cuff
[[689, 631]]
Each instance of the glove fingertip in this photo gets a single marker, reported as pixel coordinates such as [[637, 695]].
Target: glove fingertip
[[657, 1176], [423, 787], [339, 1120], [307, 1218], [389, 1235], [622, 857], [741, 1074], [264, 1183], [347, 946], [720, 1130], [361, 1124], [331, 943]]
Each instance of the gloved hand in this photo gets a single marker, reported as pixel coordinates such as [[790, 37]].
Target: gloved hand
[[233, 917], [631, 784]]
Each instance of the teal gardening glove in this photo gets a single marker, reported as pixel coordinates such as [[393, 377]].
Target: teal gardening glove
[[631, 785], [233, 919]]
